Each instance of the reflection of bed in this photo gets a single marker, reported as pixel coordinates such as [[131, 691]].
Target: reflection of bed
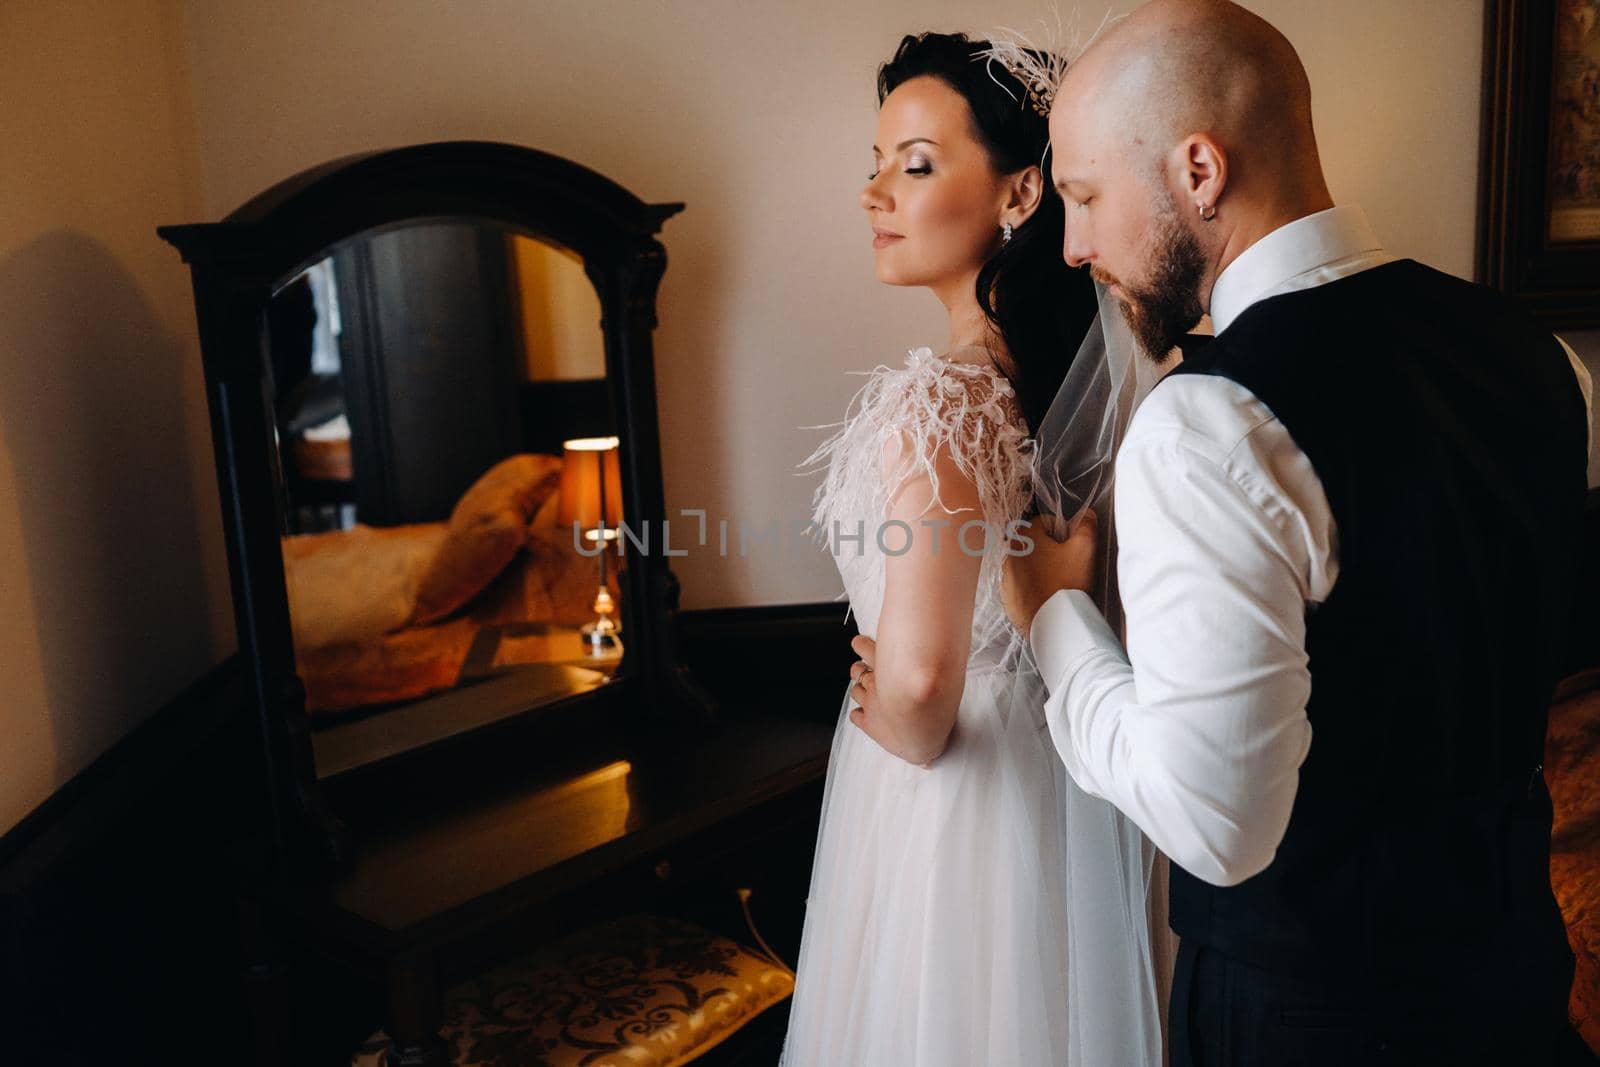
[[389, 614], [1572, 769]]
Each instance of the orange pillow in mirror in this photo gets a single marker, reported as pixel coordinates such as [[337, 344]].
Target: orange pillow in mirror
[[485, 531], [355, 584]]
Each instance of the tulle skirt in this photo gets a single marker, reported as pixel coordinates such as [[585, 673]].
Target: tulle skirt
[[981, 911]]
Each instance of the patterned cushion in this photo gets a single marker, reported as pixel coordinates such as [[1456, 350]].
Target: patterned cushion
[[641, 991]]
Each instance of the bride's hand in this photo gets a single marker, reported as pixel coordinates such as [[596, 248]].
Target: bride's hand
[[1027, 581], [865, 692]]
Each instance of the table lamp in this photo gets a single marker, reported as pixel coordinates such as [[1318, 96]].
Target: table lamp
[[591, 496]]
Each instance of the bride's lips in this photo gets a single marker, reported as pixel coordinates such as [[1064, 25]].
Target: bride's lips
[[885, 238]]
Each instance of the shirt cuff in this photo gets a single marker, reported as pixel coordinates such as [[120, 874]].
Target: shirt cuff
[[1067, 627]]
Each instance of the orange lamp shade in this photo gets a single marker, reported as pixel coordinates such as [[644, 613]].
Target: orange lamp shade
[[590, 469]]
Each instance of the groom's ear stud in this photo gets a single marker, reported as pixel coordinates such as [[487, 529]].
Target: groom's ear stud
[[1207, 212]]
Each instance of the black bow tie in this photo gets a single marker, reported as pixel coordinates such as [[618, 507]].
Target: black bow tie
[[1192, 344]]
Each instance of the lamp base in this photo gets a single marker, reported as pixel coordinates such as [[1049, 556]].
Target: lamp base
[[600, 637]]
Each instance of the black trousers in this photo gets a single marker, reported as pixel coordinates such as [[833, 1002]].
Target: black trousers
[[1225, 1013]]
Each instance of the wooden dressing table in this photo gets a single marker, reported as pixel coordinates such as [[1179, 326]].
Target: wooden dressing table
[[384, 858]]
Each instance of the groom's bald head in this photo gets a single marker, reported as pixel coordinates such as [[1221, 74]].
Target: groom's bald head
[[1176, 67], [1182, 109]]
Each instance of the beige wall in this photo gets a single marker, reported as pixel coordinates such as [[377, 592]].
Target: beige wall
[[560, 312], [759, 115], [111, 559]]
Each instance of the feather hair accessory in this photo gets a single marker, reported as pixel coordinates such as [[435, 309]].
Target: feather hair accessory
[[1039, 67]]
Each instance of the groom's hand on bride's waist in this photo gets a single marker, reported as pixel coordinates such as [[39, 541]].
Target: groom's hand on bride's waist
[[1033, 575]]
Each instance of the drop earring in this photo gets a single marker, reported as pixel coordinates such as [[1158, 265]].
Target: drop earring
[[1005, 233]]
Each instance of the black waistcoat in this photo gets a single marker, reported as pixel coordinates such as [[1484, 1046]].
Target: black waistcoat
[[1448, 431]]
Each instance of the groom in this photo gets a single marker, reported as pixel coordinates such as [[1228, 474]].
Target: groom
[[1349, 528]]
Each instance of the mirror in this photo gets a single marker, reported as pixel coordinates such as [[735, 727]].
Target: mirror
[[398, 346], [447, 467]]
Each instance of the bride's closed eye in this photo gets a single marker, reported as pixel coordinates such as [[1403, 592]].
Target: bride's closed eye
[[918, 166], [918, 170]]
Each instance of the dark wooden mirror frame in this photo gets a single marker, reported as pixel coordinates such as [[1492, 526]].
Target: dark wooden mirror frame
[[238, 263]]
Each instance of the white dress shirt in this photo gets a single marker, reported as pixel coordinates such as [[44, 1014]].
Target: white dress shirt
[[1198, 730]]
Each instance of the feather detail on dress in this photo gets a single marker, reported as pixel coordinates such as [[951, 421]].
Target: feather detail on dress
[[894, 426]]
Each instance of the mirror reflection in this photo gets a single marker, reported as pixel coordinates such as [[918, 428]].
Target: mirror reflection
[[443, 422]]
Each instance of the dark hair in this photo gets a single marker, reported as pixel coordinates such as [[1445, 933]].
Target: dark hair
[[1041, 307]]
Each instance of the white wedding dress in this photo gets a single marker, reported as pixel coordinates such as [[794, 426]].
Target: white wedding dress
[[983, 910]]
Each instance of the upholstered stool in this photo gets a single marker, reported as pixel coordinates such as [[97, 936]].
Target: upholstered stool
[[640, 991]]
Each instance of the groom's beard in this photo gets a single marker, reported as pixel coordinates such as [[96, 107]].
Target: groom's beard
[[1165, 308]]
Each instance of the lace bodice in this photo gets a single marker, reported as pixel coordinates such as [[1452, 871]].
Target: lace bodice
[[893, 425]]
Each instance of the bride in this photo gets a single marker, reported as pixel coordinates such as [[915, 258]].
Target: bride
[[968, 904]]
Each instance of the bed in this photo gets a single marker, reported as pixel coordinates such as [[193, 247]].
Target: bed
[[387, 614]]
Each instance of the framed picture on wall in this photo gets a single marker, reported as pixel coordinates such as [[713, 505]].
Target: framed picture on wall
[[1539, 211]]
